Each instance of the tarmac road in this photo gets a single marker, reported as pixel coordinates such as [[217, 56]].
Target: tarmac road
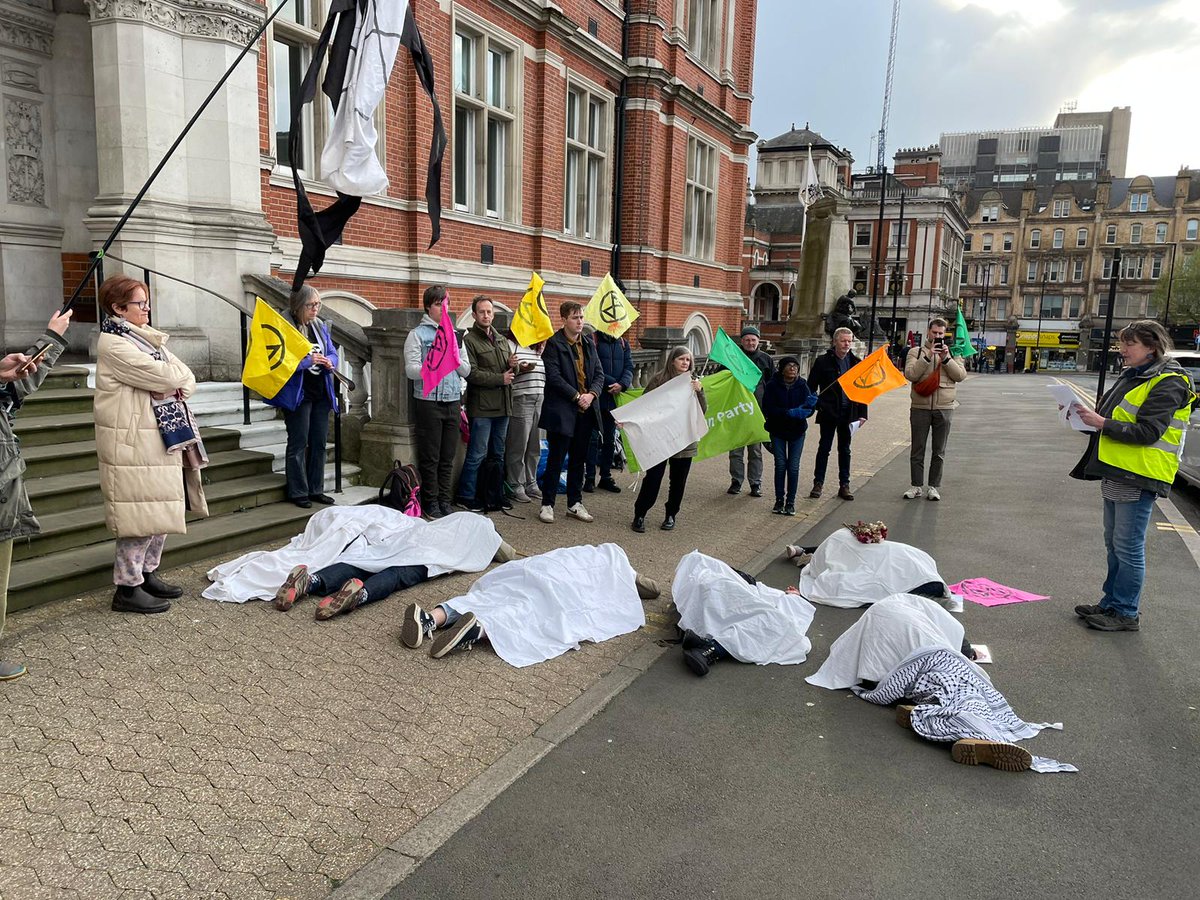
[[752, 783]]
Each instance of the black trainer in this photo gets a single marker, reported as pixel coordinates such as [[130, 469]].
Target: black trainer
[[778, 507], [607, 484], [415, 626], [1111, 621], [639, 524], [735, 487], [1083, 610], [755, 490], [462, 635]]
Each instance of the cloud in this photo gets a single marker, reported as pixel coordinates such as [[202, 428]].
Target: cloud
[[963, 65]]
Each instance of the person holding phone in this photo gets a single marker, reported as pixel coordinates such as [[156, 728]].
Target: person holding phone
[[523, 449], [20, 375], [931, 412], [489, 401]]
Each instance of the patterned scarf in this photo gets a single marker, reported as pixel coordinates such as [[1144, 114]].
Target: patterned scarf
[[118, 326]]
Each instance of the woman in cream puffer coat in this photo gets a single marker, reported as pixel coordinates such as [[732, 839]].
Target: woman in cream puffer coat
[[143, 484]]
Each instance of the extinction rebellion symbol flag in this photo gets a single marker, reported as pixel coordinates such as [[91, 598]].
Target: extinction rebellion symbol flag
[[275, 352]]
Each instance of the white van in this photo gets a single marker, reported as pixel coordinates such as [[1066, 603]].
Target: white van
[[1189, 462]]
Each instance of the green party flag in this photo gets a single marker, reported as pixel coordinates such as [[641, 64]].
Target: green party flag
[[734, 417], [731, 356], [962, 345]]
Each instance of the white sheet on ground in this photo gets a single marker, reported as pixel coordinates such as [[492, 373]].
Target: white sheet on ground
[[371, 537], [884, 636], [754, 622], [846, 573], [538, 608]]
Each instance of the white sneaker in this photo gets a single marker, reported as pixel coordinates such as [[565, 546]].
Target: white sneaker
[[914, 493], [547, 514], [579, 511], [933, 494]]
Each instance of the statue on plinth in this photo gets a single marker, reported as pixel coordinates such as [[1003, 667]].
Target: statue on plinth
[[843, 315]]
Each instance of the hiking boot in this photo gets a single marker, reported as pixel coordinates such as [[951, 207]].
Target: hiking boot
[[462, 635], [778, 507], [415, 626], [789, 510], [11, 671], [647, 588], [997, 754], [735, 487], [520, 496], [639, 524], [668, 524], [547, 514], [1111, 621], [348, 597], [844, 492], [756, 490], [933, 493], [579, 511], [156, 587], [292, 589], [132, 599], [589, 485], [1083, 610], [505, 553], [818, 486], [607, 484], [914, 493]]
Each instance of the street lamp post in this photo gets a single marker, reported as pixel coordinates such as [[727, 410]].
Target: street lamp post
[[1170, 282], [1037, 350], [983, 303]]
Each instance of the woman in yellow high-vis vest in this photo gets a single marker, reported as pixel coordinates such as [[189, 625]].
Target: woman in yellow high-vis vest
[[1134, 454]]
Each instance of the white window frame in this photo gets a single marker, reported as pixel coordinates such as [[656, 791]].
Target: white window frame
[[861, 230], [990, 213], [1110, 234], [1062, 209], [1193, 230], [1056, 270], [1139, 202], [1081, 237], [1008, 242], [485, 122], [1035, 238], [313, 119], [705, 31], [1160, 232], [1135, 233], [1077, 269], [1057, 238], [701, 176], [1132, 266], [1106, 271], [587, 163], [986, 243], [1004, 273], [1031, 270], [1156, 266]]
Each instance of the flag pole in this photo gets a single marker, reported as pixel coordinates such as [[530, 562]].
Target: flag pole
[[99, 255]]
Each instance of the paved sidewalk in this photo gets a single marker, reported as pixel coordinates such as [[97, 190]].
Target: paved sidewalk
[[234, 751]]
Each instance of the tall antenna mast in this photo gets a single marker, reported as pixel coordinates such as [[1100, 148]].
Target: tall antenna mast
[[887, 86]]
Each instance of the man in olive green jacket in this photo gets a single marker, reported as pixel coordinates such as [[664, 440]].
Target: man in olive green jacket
[[489, 399]]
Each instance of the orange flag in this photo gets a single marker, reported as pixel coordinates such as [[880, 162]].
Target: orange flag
[[871, 378]]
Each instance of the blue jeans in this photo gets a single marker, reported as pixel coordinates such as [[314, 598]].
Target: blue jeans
[[787, 466], [1125, 540], [378, 584], [488, 434]]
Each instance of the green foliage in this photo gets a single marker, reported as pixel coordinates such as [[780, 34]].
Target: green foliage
[[1185, 290]]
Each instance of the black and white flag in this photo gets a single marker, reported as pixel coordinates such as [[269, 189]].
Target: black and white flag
[[361, 38]]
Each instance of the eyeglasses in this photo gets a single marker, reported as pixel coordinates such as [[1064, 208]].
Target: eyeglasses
[[143, 305], [316, 305]]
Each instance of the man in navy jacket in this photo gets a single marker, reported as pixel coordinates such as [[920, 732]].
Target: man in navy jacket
[[570, 410], [835, 411], [616, 361]]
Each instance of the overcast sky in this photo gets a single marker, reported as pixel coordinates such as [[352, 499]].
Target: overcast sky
[[965, 65]]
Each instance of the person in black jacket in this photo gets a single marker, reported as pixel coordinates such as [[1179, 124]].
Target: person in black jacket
[[737, 458], [570, 410], [787, 404], [835, 411], [616, 361]]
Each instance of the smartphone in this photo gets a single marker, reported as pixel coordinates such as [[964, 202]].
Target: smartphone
[[526, 367], [35, 358]]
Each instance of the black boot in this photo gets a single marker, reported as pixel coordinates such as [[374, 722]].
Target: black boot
[[135, 600], [700, 654], [156, 587]]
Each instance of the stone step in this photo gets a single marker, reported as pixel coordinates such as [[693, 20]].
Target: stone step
[[37, 431], [51, 401], [55, 493], [62, 457], [63, 377], [86, 568]]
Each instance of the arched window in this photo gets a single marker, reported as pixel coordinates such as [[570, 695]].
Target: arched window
[[1193, 225]]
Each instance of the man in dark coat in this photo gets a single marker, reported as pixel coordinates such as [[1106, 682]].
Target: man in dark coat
[[570, 410], [835, 411], [616, 361], [737, 463]]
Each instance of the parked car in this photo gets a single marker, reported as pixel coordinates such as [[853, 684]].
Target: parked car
[[1189, 462]]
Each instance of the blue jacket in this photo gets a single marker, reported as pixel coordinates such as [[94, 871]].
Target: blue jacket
[[616, 361], [292, 393], [786, 409], [560, 414]]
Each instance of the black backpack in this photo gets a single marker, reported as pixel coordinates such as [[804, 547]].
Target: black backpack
[[401, 489], [489, 485]]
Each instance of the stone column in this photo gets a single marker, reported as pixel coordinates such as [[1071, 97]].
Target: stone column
[[824, 276], [389, 434], [202, 219], [661, 340]]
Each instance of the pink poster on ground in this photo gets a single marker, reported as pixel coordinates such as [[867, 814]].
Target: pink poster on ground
[[986, 592], [443, 357]]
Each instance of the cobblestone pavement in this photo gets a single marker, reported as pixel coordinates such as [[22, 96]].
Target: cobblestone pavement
[[227, 750]]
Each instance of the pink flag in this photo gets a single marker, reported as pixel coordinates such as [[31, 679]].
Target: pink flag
[[986, 592], [443, 357]]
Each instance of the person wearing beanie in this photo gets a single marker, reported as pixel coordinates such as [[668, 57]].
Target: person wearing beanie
[[787, 404], [738, 466]]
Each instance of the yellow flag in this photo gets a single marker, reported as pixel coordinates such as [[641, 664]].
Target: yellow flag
[[275, 351], [871, 378], [608, 310], [531, 323]]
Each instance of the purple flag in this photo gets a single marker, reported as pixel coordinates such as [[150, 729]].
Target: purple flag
[[442, 358]]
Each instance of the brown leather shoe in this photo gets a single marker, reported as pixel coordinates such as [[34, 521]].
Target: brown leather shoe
[[816, 491], [844, 492]]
